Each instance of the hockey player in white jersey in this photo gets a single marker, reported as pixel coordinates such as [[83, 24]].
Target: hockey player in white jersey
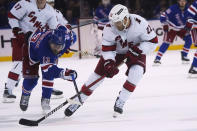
[[60, 18], [24, 18], [130, 37]]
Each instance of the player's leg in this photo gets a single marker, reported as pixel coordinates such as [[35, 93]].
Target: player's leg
[[186, 47], [12, 81], [136, 69], [30, 74], [193, 68], [28, 85], [88, 88], [134, 76], [168, 39], [14, 74], [47, 88], [56, 94]]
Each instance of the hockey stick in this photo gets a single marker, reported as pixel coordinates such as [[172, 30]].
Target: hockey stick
[[76, 89], [89, 22], [85, 53], [27, 122]]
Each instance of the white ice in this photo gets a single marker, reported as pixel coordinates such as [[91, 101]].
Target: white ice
[[165, 100]]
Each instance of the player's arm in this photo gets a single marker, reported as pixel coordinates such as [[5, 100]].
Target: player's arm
[[15, 15], [164, 17], [108, 52], [60, 17], [191, 15], [149, 41], [52, 21], [50, 70], [17, 12]]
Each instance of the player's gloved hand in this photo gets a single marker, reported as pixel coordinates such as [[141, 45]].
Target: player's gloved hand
[[68, 26], [110, 68], [165, 28], [186, 30], [18, 33], [67, 74], [134, 51]]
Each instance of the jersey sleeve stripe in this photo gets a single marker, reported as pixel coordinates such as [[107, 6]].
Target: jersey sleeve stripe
[[108, 48], [10, 15], [192, 10], [46, 67], [154, 40]]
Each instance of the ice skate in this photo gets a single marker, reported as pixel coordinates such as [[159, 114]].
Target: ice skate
[[8, 97], [24, 102], [45, 104], [156, 62], [192, 72], [56, 94], [185, 59], [118, 107]]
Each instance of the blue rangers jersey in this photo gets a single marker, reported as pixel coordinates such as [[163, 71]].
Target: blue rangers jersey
[[101, 15], [40, 52], [192, 11], [174, 17]]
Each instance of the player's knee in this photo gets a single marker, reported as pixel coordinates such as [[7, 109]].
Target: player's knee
[[129, 86], [188, 39], [85, 90], [135, 74]]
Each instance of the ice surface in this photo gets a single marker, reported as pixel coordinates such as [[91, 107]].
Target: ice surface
[[165, 100]]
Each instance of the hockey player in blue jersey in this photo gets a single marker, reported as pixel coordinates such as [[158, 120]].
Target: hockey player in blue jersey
[[174, 23], [43, 49], [192, 22], [101, 19], [102, 12]]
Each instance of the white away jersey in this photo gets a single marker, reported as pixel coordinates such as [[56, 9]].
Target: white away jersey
[[139, 32], [26, 15], [60, 18]]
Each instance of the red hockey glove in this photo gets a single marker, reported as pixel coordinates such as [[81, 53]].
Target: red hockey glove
[[18, 33], [165, 28], [110, 68], [66, 74], [186, 30]]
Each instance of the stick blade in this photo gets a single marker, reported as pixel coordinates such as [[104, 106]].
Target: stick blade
[[26, 122]]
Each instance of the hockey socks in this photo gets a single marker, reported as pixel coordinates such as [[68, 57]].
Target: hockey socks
[[162, 50]]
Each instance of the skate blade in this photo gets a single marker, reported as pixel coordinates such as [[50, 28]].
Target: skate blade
[[8, 100], [56, 96], [116, 114], [156, 64], [191, 76], [185, 62]]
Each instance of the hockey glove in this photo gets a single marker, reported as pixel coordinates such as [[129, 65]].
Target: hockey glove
[[18, 33], [165, 28], [186, 30], [66, 74], [110, 68]]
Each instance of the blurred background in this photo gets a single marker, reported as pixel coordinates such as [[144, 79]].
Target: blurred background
[[75, 9]]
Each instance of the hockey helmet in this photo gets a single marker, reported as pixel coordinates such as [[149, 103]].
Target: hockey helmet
[[118, 13], [57, 40], [69, 34]]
